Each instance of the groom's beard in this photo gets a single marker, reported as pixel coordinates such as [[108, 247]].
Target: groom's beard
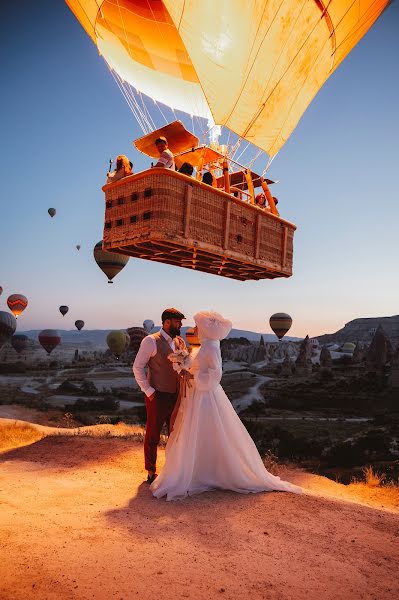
[[173, 332]]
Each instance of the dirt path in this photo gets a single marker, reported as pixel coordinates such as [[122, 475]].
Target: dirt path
[[78, 522]]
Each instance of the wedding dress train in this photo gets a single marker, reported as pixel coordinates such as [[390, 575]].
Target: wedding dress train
[[209, 447]]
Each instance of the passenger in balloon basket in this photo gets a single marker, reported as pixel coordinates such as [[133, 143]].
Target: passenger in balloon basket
[[160, 384], [123, 168], [166, 159]]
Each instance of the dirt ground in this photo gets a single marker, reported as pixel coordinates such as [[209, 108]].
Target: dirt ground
[[78, 522]]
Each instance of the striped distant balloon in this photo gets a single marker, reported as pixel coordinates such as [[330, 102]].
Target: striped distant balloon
[[192, 337], [137, 334], [49, 339], [8, 325], [52, 212], [19, 342], [79, 324], [111, 263], [63, 309], [17, 304], [280, 323]]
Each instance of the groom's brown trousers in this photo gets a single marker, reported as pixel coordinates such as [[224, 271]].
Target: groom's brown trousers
[[159, 411]]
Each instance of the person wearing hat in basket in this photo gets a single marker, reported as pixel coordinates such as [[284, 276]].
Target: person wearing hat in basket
[[161, 384]]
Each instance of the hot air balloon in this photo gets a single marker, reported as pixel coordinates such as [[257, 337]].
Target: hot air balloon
[[19, 342], [250, 67], [51, 212], [1, 290], [136, 335], [280, 323], [79, 324], [17, 304], [148, 325], [111, 263], [49, 339], [118, 342], [77, 246], [63, 310], [8, 325], [192, 337]]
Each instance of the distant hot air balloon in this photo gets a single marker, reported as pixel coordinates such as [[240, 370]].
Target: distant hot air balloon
[[49, 339], [111, 263], [77, 246], [1, 290], [137, 334], [79, 324], [118, 342], [17, 304], [192, 337], [348, 348], [280, 323], [19, 342], [63, 310], [8, 325], [148, 325], [51, 212]]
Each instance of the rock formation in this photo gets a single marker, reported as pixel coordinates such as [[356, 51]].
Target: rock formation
[[380, 351], [394, 375], [325, 357], [363, 330], [303, 364]]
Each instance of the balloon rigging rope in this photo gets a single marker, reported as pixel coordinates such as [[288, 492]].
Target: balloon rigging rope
[[132, 103], [146, 110], [128, 100]]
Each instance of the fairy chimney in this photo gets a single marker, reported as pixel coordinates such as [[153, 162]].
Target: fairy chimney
[[394, 375], [325, 357], [303, 364], [286, 367], [358, 354], [380, 351]]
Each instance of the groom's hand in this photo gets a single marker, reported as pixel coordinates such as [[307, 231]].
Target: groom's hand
[[151, 398]]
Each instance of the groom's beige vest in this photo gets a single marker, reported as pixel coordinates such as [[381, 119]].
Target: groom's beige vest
[[162, 377]]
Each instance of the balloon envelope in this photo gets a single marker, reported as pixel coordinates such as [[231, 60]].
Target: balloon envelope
[[254, 65], [17, 304], [148, 325], [51, 212], [117, 342], [49, 339], [1, 290], [79, 324], [280, 323], [111, 263], [77, 246], [8, 325], [63, 310], [191, 337], [19, 342], [137, 334]]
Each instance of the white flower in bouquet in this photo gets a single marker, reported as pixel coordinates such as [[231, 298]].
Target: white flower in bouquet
[[179, 359]]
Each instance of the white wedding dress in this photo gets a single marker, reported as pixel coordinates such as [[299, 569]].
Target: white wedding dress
[[209, 447]]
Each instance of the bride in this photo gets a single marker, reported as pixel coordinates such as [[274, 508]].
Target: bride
[[209, 448]]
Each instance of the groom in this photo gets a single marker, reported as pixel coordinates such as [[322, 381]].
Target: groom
[[160, 386]]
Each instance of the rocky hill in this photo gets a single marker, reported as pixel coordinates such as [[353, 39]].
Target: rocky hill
[[363, 330]]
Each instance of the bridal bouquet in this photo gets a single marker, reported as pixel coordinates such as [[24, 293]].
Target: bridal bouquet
[[180, 360]]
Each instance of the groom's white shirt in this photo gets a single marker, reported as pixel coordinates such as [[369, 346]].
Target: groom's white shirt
[[148, 349]]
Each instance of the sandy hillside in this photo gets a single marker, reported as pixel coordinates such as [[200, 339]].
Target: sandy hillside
[[78, 522]]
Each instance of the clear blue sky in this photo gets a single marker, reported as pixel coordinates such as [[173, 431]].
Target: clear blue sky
[[62, 118]]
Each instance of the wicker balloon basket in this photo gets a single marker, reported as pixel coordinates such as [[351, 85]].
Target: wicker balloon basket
[[167, 217]]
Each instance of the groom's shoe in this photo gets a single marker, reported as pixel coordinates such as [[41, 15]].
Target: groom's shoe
[[151, 478]]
